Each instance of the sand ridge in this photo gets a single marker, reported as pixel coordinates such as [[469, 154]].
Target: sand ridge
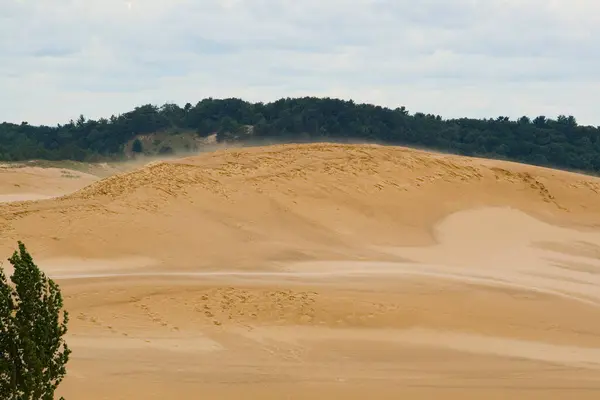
[[23, 183], [190, 211], [325, 271]]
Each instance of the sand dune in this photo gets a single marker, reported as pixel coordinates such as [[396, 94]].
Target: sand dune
[[22, 183], [325, 271], [309, 202]]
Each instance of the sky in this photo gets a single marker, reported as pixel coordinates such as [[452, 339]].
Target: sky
[[454, 58]]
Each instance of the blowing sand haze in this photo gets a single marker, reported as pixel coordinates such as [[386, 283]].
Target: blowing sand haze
[[323, 271]]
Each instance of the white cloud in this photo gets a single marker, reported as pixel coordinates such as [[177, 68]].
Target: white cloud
[[480, 58]]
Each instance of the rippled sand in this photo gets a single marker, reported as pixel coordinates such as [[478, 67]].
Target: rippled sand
[[325, 271]]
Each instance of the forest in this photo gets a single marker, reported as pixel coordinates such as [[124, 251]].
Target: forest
[[557, 142]]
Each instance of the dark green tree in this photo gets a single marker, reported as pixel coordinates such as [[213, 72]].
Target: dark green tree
[[137, 146], [32, 348], [559, 142]]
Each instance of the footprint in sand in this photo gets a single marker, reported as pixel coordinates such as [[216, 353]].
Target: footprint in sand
[[156, 318]]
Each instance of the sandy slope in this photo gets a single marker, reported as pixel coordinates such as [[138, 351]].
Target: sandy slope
[[312, 202], [21, 183], [326, 271]]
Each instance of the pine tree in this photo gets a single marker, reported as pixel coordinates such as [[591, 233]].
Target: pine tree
[[34, 353], [137, 146]]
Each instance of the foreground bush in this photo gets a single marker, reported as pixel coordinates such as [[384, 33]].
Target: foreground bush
[[33, 353]]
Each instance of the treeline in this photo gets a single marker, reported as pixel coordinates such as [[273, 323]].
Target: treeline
[[559, 142]]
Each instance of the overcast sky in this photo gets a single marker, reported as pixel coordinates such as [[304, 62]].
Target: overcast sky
[[478, 58]]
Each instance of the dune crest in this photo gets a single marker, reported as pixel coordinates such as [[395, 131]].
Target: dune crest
[[288, 202]]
